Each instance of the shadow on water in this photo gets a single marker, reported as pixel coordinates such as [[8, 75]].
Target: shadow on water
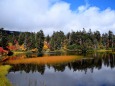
[[96, 71]]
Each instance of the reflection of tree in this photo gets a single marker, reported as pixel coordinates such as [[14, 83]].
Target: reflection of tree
[[78, 65], [41, 68], [29, 67], [59, 67], [112, 60], [109, 60]]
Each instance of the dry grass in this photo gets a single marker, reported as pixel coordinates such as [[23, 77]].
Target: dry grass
[[45, 60]]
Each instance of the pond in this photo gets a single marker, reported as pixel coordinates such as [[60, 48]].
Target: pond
[[96, 71]]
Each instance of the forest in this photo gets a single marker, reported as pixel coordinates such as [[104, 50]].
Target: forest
[[82, 41]]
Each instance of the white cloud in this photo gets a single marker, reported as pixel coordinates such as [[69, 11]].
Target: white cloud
[[53, 15]]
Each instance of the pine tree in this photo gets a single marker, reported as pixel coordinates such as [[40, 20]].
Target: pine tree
[[40, 42], [3, 38], [21, 38]]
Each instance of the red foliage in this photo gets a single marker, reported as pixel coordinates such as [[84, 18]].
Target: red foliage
[[2, 50]]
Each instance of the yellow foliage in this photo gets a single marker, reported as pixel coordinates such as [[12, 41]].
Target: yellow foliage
[[45, 46], [10, 44], [22, 47], [65, 47], [34, 50]]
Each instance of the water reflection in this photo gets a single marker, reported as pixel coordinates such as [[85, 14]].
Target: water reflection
[[97, 71], [80, 65]]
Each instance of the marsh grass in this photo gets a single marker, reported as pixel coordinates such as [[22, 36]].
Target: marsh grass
[[3, 72], [45, 60]]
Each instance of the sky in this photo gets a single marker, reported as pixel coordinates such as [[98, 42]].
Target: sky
[[56, 15]]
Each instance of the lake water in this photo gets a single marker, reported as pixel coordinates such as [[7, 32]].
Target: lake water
[[96, 71]]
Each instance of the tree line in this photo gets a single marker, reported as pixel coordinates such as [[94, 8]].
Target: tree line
[[79, 40]]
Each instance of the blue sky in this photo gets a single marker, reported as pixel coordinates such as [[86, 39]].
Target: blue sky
[[102, 4], [56, 15], [75, 3]]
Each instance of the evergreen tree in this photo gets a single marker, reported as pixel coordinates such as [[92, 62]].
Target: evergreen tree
[[32, 41], [21, 38], [97, 36], [48, 38], [3, 38], [39, 41], [110, 38], [56, 40], [105, 40]]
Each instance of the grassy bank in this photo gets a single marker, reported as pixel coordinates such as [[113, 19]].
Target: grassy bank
[[3, 72]]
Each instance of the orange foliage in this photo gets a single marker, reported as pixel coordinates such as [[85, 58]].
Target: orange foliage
[[13, 47]]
